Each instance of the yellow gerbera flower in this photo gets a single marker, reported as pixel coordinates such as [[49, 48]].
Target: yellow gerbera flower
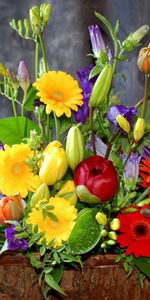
[[58, 230], [16, 176], [60, 92]]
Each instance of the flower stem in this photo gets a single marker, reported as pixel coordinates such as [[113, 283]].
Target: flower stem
[[13, 94], [146, 91], [36, 58], [43, 52], [91, 129], [47, 128], [23, 103], [110, 144], [57, 127]]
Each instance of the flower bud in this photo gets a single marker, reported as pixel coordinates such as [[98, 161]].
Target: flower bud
[[111, 242], [54, 165], [101, 218], [139, 129], [112, 235], [35, 140], [104, 233], [35, 19], [74, 147], [101, 86], [115, 224], [68, 192], [123, 123], [41, 193], [11, 208], [134, 38], [144, 60], [97, 42], [45, 11], [103, 245], [23, 76]]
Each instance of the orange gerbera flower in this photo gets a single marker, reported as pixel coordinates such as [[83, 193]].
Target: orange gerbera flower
[[145, 173]]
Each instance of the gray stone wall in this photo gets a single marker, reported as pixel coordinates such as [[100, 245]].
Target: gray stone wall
[[67, 39]]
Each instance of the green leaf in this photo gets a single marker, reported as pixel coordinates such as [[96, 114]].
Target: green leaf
[[108, 25], [53, 284], [85, 234], [30, 99], [58, 273], [143, 264], [13, 130], [95, 71], [42, 250]]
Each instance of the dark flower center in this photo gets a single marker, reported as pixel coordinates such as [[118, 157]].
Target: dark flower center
[[141, 229], [96, 171]]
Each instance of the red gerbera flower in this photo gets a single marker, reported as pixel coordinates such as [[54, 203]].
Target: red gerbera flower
[[145, 173], [135, 232]]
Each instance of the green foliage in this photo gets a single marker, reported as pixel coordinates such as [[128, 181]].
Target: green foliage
[[85, 234], [13, 130]]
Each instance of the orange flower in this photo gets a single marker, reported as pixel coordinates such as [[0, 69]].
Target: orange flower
[[11, 208], [145, 172], [144, 60]]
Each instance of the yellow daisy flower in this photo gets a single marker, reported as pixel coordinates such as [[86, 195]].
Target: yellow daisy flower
[[60, 92], [15, 175], [58, 230]]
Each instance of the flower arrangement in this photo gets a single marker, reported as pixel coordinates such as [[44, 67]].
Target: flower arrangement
[[75, 177]]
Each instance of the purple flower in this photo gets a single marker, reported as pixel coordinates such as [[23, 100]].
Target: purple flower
[[131, 170], [83, 112], [97, 42], [1, 147], [13, 242], [23, 76], [116, 110], [146, 153], [101, 148]]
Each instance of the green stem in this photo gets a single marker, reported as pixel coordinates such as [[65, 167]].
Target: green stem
[[91, 129], [36, 58], [146, 91], [56, 127], [141, 197], [23, 103], [110, 144], [15, 113], [43, 52], [47, 128]]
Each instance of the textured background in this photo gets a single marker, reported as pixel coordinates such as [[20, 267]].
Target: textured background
[[67, 39]]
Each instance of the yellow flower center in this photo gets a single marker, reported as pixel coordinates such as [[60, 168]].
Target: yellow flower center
[[18, 168], [58, 96]]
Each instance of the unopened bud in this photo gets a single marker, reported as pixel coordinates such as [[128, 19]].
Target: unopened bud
[[41, 193], [103, 245], [101, 218], [110, 242], [45, 11], [115, 224], [139, 129], [123, 123], [74, 147], [23, 76], [112, 235], [104, 233], [134, 38], [144, 60], [35, 19]]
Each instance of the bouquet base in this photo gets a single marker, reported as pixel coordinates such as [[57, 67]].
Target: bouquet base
[[101, 279]]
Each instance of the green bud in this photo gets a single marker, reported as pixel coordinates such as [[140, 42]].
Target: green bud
[[40, 194], [35, 140], [104, 233], [110, 242], [101, 86], [27, 28], [115, 224], [143, 202], [134, 38], [35, 19], [101, 218], [45, 11], [74, 147], [85, 196], [112, 235], [20, 27], [103, 245]]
